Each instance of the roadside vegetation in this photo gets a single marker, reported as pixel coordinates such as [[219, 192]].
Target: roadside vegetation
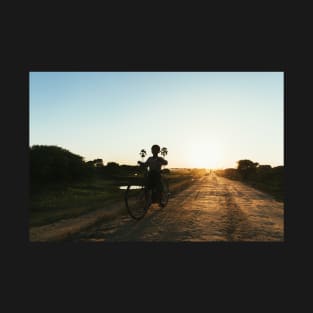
[[262, 177], [64, 185]]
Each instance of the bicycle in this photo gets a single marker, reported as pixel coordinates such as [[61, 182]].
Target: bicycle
[[139, 198]]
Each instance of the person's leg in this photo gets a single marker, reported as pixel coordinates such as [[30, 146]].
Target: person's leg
[[149, 180], [159, 186], [149, 186]]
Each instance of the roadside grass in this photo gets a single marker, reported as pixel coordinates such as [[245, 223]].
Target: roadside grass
[[270, 187], [52, 203], [65, 201], [273, 187]]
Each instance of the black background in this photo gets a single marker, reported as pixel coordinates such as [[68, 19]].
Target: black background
[[60, 276]]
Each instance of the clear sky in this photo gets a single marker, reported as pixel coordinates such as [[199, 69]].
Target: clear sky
[[205, 119]]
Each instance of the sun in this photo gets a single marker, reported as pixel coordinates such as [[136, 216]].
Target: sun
[[204, 155]]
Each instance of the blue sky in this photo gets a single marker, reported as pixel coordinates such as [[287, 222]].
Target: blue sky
[[205, 119]]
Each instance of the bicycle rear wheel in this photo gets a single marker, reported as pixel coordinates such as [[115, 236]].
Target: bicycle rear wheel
[[137, 201]]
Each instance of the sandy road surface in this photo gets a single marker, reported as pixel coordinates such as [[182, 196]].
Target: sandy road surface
[[212, 209]]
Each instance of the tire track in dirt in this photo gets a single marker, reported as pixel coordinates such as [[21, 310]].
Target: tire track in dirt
[[251, 215], [234, 222]]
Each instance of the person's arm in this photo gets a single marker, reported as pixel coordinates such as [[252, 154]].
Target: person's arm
[[163, 161], [145, 164]]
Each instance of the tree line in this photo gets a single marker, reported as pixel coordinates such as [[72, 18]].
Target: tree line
[[56, 164], [264, 177]]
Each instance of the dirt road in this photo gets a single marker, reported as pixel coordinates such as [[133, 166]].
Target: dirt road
[[212, 209]]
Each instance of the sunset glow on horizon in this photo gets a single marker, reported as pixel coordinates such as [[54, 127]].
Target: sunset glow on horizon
[[205, 119]]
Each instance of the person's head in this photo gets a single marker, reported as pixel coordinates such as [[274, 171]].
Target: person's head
[[155, 149]]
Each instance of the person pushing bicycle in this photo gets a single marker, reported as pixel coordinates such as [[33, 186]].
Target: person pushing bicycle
[[154, 163]]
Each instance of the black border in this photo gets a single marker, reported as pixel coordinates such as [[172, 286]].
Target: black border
[[174, 258], [232, 37]]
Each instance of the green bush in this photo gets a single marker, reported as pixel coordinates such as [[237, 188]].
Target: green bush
[[55, 164]]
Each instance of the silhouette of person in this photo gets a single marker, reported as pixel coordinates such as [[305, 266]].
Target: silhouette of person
[[154, 164]]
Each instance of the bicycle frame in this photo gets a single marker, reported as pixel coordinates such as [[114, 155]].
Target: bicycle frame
[[154, 188], [149, 194]]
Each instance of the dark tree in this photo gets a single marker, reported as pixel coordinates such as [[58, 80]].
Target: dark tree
[[53, 163], [112, 168], [264, 172], [247, 169], [113, 165], [98, 163]]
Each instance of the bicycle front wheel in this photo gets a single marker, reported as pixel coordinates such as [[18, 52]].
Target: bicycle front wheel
[[137, 201]]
